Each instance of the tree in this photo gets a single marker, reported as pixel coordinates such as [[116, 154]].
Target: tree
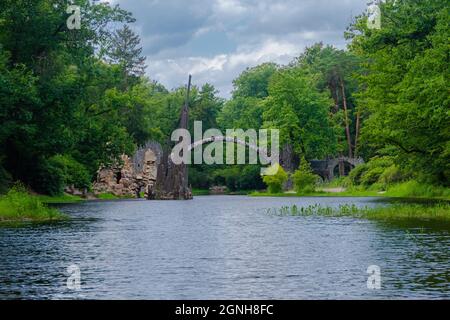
[[125, 50], [406, 85], [300, 111], [275, 182], [304, 179], [244, 110], [205, 106], [335, 69], [52, 84]]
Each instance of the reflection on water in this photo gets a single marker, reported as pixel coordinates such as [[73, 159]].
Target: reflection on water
[[222, 247]]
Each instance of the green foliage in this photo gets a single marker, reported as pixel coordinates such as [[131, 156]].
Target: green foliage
[[125, 50], [48, 178], [228, 177], [5, 180], [200, 192], [54, 91], [371, 176], [250, 178], [78, 93], [254, 82], [205, 107], [391, 175], [74, 173], [300, 112], [416, 189], [275, 182], [304, 179], [334, 70], [200, 177], [235, 178], [241, 112], [406, 85], [65, 198], [379, 169], [18, 205], [356, 174], [245, 109], [107, 196]]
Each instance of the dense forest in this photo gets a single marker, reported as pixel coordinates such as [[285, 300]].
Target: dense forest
[[72, 100]]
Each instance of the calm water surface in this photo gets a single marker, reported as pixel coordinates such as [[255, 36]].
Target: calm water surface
[[221, 247]]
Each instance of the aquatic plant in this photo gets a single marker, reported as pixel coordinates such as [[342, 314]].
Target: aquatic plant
[[438, 211]]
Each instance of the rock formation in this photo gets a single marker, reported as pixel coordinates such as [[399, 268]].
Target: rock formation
[[172, 180], [129, 177]]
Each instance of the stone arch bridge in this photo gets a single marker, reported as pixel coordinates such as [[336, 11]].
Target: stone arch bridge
[[326, 169], [262, 152]]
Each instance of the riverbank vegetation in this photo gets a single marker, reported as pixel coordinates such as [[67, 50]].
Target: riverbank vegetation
[[434, 212], [19, 206], [73, 100], [65, 198]]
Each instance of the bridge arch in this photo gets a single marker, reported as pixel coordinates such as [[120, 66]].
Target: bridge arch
[[326, 168], [262, 152]]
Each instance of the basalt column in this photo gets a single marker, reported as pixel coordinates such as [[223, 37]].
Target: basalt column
[[172, 179]]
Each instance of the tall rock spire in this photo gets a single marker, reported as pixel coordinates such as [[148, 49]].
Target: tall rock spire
[[172, 180], [184, 117]]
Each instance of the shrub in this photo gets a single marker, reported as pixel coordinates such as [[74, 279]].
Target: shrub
[[49, 178], [74, 173], [250, 178], [304, 179], [18, 205], [5, 180], [55, 173], [275, 182], [418, 189], [228, 177], [391, 175], [370, 172], [371, 176], [199, 178], [356, 174]]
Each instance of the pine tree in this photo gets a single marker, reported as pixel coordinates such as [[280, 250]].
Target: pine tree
[[125, 50]]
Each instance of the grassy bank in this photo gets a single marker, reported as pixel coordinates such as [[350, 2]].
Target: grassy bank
[[66, 198], [409, 189], [436, 212], [200, 192], [19, 206], [108, 196]]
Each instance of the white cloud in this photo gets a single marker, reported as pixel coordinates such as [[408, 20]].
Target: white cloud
[[220, 70], [229, 7], [216, 40]]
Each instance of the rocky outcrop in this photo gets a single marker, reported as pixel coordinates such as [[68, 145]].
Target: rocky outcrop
[[150, 173], [218, 190], [129, 177], [171, 181]]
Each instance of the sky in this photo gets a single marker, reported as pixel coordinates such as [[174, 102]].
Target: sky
[[215, 40]]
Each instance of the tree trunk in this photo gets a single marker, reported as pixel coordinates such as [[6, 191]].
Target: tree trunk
[[341, 168], [358, 124], [347, 124]]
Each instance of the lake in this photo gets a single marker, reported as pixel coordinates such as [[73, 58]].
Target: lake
[[221, 247]]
